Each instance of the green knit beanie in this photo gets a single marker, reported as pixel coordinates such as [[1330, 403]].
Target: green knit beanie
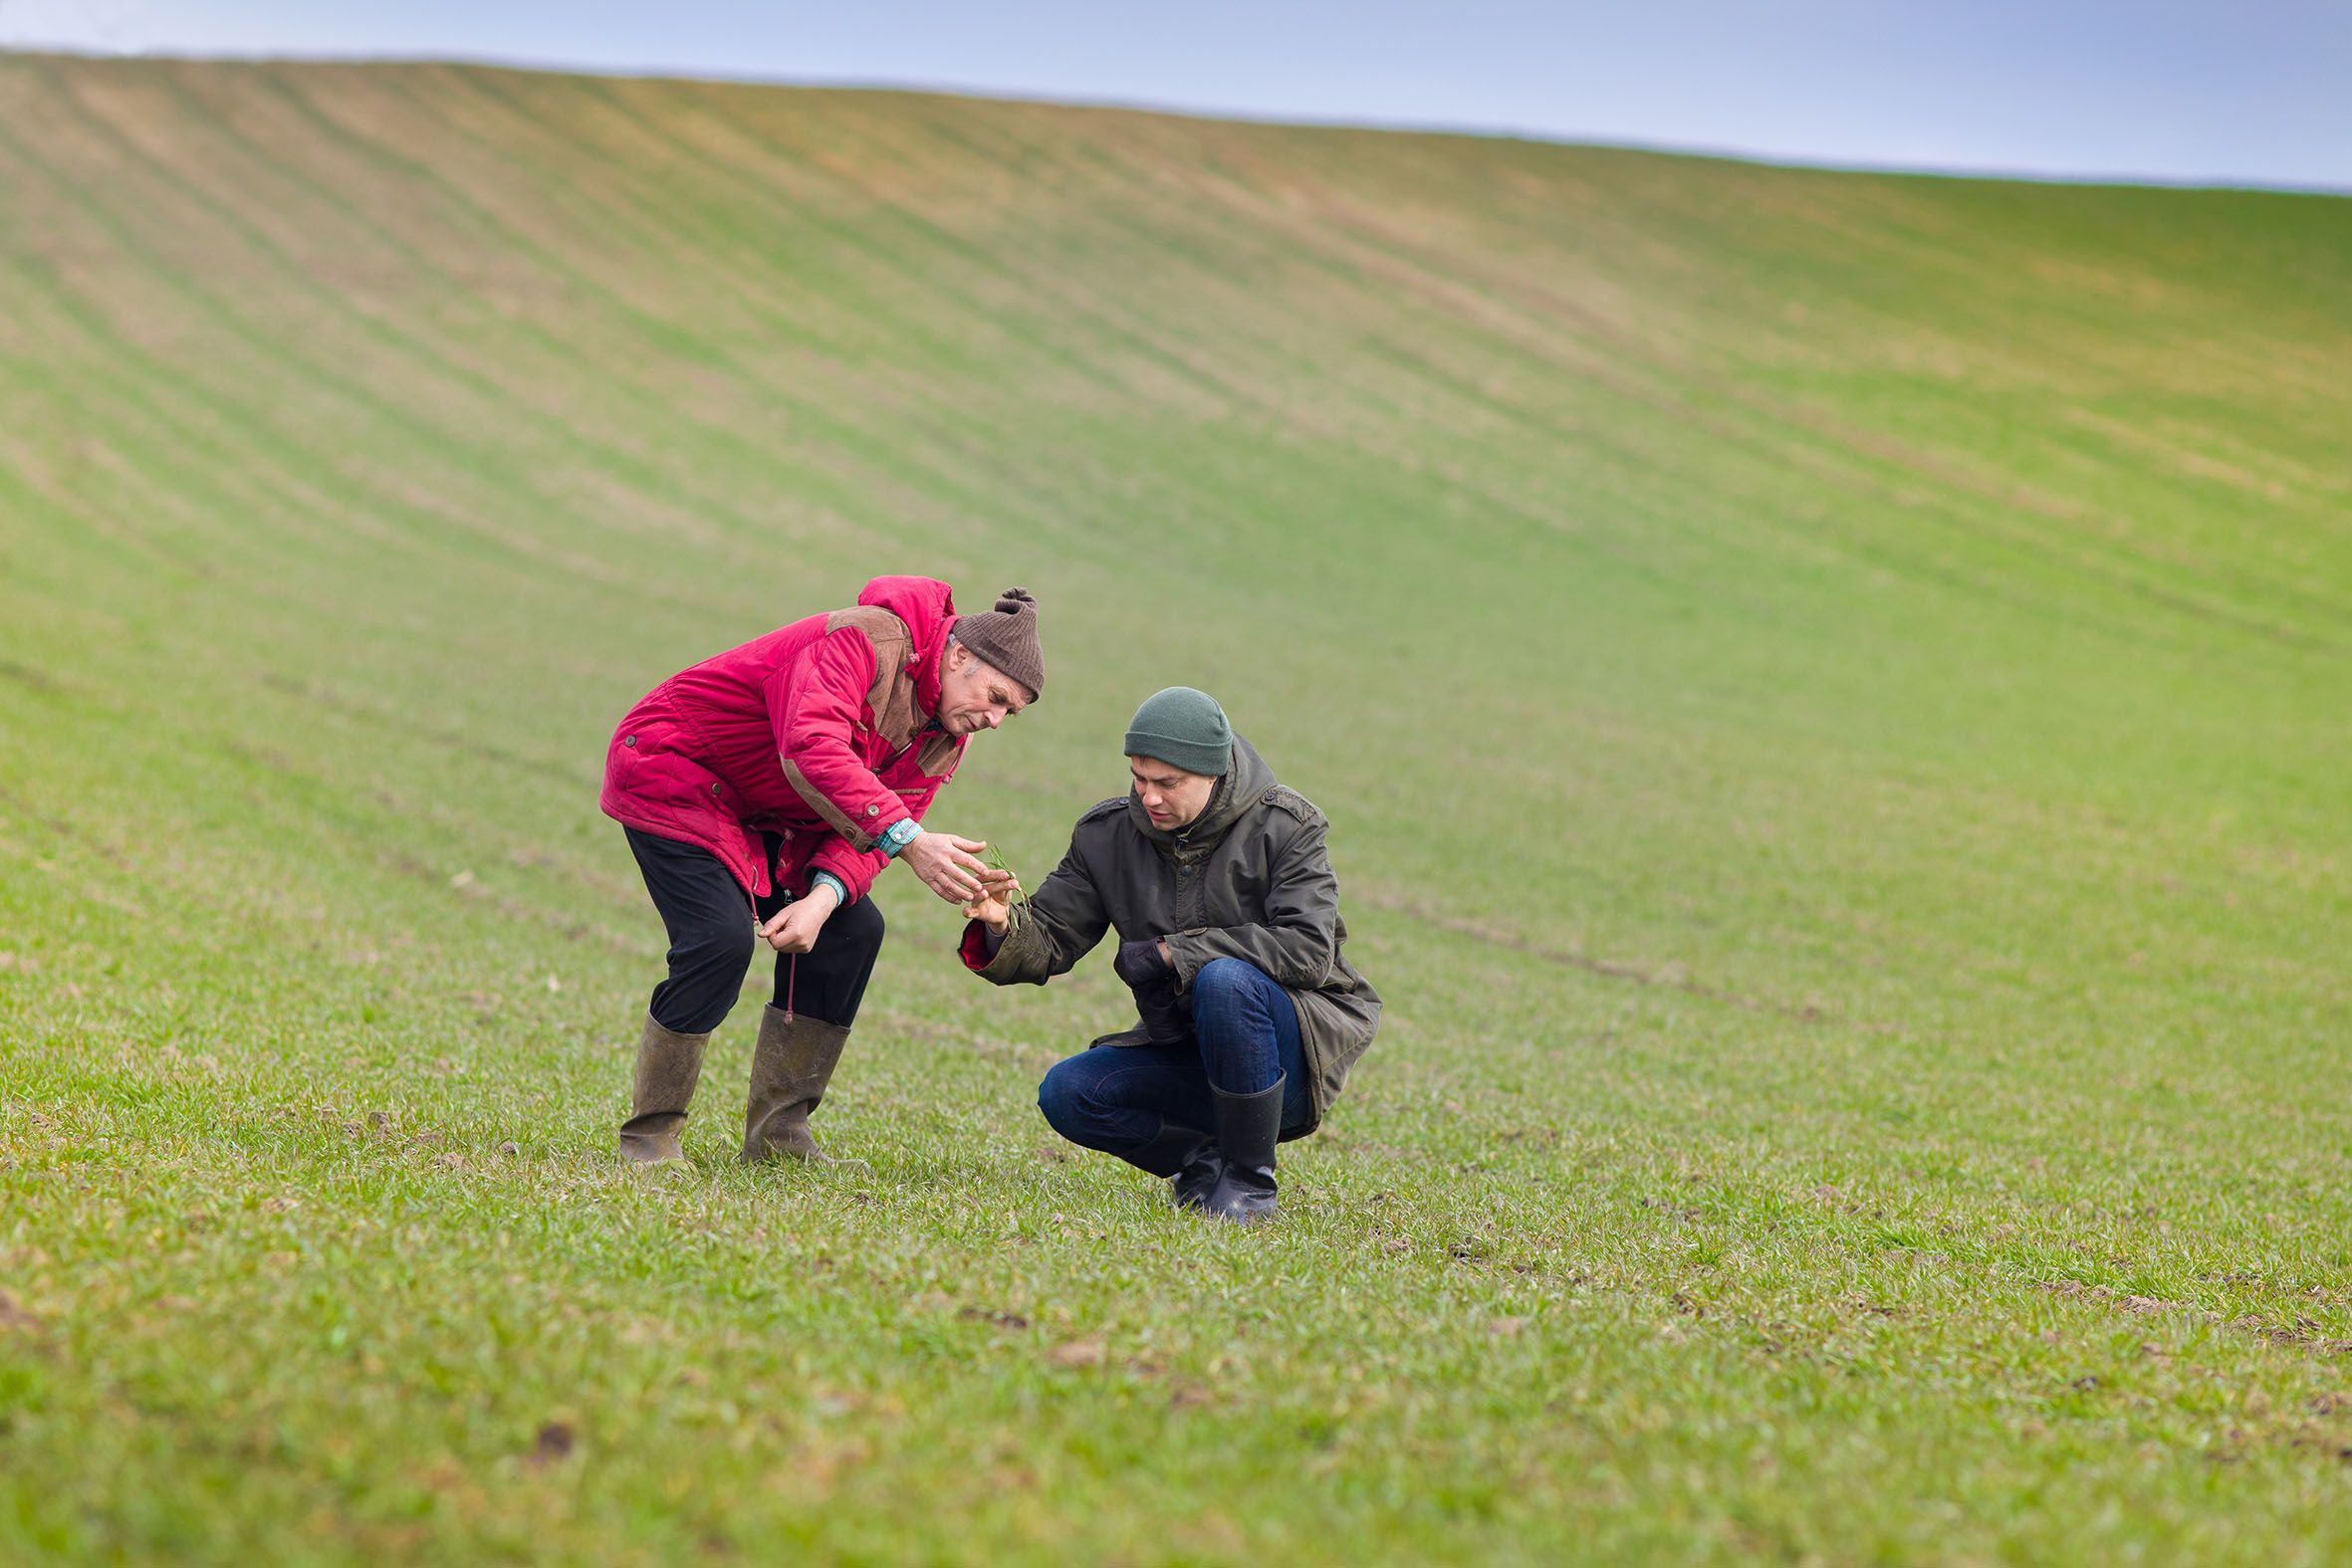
[[1184, 728]]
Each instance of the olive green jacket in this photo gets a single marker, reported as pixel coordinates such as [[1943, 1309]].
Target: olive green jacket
[[1249, 879]]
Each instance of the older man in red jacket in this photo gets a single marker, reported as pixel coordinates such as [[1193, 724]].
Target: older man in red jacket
[[762, 791]]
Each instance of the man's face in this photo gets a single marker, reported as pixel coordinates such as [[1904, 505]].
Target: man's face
[[974, 695], [1172, 797]]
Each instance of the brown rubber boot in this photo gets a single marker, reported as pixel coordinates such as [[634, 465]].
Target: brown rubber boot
[[791, 1065], [668, 1064]]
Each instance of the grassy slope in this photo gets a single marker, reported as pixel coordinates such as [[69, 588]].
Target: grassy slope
[[1832, 689]]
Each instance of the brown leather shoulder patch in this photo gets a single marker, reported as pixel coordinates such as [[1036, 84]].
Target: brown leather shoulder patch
[[892, 695], [878, 626]]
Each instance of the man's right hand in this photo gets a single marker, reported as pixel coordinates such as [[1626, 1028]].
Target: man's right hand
[[944, 863], [794, 928], [1143, 964]]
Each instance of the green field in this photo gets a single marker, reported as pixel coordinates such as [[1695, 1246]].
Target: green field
[[1833, 692]]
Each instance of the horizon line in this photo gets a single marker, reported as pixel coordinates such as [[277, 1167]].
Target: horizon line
[[1793, 161]]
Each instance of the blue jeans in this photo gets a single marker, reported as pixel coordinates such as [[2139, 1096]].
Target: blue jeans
[[1246, 1031]]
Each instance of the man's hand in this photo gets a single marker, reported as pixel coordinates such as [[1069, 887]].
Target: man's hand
[[1144, 964], [794, 928], [1146, 968], [945, 864], [994, 906]]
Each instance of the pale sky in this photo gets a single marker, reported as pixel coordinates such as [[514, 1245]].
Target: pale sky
[[2259, 91]]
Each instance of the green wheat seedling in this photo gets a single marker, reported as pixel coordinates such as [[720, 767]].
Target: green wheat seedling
[[993, 859]]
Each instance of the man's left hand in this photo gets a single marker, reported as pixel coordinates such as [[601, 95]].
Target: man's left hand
[[794, 927], [994, 906]]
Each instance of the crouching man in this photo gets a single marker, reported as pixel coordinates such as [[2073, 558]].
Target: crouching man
[[1217, 881], [763, 791]]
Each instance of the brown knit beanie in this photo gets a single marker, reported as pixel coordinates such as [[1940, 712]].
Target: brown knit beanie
[[1006, 637]]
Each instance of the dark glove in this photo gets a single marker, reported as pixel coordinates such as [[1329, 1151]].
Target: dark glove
[[1153, 979], [1139, 964]]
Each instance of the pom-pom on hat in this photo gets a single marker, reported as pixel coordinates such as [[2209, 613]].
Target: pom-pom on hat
[[1006, 637]]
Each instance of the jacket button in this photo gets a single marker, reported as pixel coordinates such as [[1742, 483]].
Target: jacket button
[[714, 789], [629, 740], [873, 810]]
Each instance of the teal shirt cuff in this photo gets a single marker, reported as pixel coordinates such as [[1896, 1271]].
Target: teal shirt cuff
[[840, 887], [897, 837]]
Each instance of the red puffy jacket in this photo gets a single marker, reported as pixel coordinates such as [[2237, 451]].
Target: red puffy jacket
[[819, 733]]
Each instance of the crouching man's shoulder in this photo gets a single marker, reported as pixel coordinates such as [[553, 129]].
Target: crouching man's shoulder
[[1289, 801], [1095, 839], [1101, 811]]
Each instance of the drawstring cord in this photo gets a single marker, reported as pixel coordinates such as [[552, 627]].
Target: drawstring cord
[[791, 973]]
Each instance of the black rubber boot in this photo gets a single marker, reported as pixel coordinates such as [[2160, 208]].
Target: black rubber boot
[[1165, 1152], [1186, 1154], [1199, 1176], [1247, 1127]]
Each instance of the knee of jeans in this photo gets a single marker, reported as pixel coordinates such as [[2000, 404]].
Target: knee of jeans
[[1058, 1097], [1218, 982]]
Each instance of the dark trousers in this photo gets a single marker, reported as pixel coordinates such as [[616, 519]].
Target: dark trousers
[[713, 933], [1245, 1033]]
